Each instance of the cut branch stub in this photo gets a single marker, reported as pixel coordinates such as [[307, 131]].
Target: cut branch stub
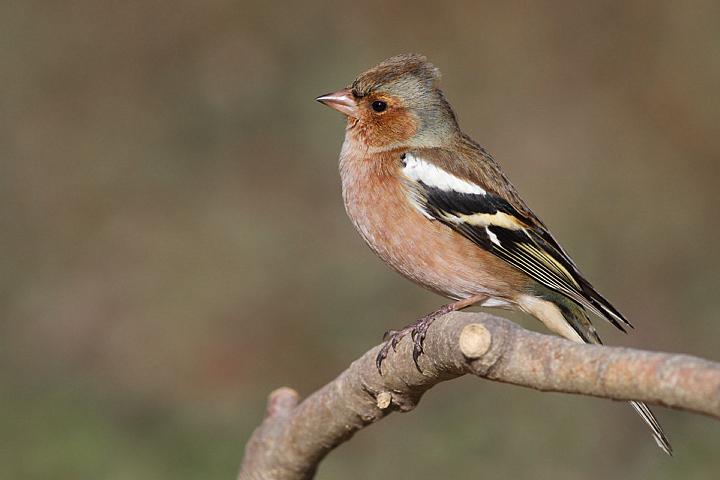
[[475, 340]]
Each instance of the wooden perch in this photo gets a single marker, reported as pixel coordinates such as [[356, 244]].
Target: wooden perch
[[295, 436]]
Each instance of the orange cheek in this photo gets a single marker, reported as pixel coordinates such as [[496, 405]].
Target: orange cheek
[[393, 127]]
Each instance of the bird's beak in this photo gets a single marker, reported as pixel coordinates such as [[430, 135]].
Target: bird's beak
[[343, 101]]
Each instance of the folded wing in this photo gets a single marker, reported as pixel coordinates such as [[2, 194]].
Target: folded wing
[[496, 223]]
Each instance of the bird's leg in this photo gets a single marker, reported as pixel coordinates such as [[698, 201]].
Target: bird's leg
[[418, 330]]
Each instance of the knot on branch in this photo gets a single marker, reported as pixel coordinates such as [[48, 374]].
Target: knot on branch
[[384, 399], [281, 402]]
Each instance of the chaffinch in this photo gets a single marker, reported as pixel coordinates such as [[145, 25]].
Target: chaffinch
[[437, 208]]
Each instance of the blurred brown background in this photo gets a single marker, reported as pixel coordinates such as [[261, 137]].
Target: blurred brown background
[[174, 244]]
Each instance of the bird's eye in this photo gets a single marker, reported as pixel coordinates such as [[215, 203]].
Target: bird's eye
[[379, 106]]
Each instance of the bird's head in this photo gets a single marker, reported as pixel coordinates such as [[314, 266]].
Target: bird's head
[[396, 104]]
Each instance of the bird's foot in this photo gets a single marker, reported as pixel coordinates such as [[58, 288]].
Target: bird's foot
[[417, 330]]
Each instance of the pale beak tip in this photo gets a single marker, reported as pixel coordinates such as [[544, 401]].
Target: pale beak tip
[[325, 97], [343, 101]]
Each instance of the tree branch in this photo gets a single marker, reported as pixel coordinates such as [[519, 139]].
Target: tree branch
[[294, 437]]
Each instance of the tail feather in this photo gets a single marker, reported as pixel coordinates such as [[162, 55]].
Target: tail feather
[[576, 316], [579, 320], [657, 431]]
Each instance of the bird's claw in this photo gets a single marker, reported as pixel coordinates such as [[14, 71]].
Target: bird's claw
[[418, 335], [391, 338], [417, 331], [382, 354]]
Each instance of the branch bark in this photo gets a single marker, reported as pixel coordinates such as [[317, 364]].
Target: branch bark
[[295, 436]]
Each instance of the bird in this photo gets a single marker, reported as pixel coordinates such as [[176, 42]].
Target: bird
[[437, 208]]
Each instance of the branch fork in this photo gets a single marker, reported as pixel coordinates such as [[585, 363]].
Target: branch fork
[[295, 436]]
